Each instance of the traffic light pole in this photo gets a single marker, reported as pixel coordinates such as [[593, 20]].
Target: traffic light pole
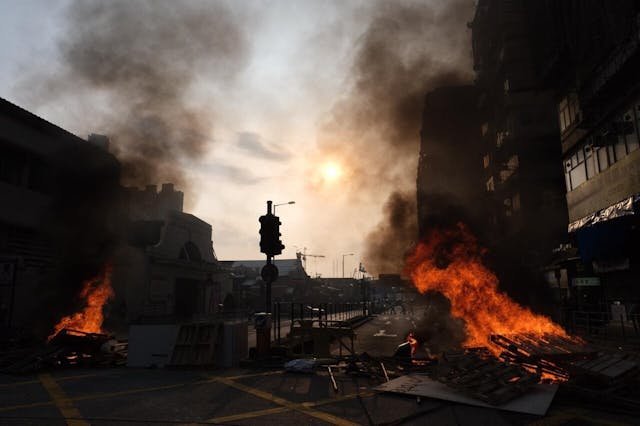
[[268, 281], [271, 246]]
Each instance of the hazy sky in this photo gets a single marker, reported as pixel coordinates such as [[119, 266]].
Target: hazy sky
[[269, 115]]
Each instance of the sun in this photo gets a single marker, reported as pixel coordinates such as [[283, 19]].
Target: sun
[[331, 171]]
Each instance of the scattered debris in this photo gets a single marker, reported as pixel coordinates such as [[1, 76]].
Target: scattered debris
[[333, 379], [67, 348], [301, 365]]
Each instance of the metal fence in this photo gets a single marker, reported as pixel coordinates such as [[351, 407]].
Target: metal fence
[[603, 322], [285, 314]]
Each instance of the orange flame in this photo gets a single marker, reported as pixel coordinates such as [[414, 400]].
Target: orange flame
[[449, 261], [96, 292]]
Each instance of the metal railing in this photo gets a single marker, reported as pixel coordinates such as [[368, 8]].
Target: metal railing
[[602, 324], [285, 314]]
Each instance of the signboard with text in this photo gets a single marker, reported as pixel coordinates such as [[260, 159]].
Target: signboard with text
[[585, 281]]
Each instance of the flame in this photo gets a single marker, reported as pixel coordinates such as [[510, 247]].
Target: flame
[[449, 261], [95, 292]]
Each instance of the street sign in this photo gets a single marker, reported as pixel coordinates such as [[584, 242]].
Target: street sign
[[269, 273], [585, 281]]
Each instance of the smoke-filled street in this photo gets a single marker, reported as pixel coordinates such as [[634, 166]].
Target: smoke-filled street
[[375, 212]]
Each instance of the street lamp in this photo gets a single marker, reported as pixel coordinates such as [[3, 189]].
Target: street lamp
[[343, 256], [281, 204]]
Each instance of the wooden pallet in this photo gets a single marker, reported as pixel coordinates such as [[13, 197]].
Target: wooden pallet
[[608, 370], [485, 378], [197, 344]]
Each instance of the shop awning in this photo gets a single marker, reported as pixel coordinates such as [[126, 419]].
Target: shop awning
[[619, 209]]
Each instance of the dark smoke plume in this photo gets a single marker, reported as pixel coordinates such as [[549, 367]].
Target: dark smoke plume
[[387, 245], [142, 57], [438, 330], [408, 49]]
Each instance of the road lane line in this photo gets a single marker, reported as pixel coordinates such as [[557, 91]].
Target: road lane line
[[246, 376], [58, 379], [270, 411], [246, 415], [29, 405], [286, 403], [69, 411], [104, 395]]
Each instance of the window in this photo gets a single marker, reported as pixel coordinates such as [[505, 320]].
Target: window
[[602, 159], [569, 112], [575, 168], [13, 165], [632, 135], [490, 186], [578, 176], [516, 202], [589, 161], [620, 148], [190, 252]]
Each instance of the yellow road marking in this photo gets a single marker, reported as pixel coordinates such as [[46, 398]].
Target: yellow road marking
[[30, 405], [286, 403], [247, 415], [245, 376], [58, 379], [62, 401], [278, 410], [108, 394], [338, 398]]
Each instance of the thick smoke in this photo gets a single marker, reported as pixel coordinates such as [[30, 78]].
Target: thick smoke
[[387, 245], [408, 49], [142, 57], [437, 329]]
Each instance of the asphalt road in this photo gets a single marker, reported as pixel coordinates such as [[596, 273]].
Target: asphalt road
[[126, 396]]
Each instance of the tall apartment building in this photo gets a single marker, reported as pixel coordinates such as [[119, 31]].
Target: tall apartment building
[[519, 132]]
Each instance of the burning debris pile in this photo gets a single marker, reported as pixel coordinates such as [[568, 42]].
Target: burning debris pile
[[77, 339], [503, 349], [450, 261], [68, 348], [95, 293]]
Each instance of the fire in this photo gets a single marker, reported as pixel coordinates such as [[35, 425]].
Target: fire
[[95, 292], [449, 261]]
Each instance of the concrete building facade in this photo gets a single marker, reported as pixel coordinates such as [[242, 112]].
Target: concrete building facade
[[597, 81]]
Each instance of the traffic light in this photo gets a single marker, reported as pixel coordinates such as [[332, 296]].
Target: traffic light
[[270, 243]]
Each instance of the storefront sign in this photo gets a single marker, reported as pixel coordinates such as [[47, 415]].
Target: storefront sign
[[585, 281], [611, 265]]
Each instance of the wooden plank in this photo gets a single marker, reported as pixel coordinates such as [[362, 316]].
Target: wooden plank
[[604, 365], [603, 362], [619, 369]]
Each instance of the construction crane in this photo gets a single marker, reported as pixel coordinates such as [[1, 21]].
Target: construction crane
[[303, 255]]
